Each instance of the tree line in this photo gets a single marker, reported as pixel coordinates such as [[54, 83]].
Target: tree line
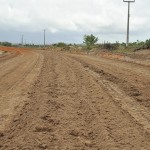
[[90, 42]]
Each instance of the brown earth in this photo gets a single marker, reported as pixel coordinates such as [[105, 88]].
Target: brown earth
[[77, 102]]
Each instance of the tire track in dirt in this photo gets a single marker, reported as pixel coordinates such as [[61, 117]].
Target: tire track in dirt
[[12, 52], [69, 109], [7, 62], [138, 112], [29, 67], [16, 80], [13, 74], [8, 56], [135, 82], [127, 101]]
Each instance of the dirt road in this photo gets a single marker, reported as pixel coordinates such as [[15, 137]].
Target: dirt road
[[77, 103], [18, 70]]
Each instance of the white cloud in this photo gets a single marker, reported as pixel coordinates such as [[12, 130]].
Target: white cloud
[[75, 16]]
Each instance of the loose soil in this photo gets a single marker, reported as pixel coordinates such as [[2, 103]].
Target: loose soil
[[58, 101]]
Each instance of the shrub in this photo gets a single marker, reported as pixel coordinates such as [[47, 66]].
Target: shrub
[[5, 43], [147, 44], [60, 44]]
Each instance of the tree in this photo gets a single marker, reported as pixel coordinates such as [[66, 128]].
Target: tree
[[90, 41]]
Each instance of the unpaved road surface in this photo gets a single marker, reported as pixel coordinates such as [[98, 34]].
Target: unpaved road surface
[[78, 103], [18, 70]]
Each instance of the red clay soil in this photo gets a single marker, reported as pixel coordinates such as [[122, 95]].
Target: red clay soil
[[77, 102], [112, 56], [14, 49], [11, 52]]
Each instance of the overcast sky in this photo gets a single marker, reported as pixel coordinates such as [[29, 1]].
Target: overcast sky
[[69, 20]]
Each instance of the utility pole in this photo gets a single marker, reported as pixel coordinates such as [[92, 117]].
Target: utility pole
[[22, 40], [128, 20], [44, 38]]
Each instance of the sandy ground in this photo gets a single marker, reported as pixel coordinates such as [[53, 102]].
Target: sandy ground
[[1, 52], [77, 102]]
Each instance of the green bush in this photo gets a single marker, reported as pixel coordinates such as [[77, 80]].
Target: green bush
[[147, 44], [5, 44], [60, 44]]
